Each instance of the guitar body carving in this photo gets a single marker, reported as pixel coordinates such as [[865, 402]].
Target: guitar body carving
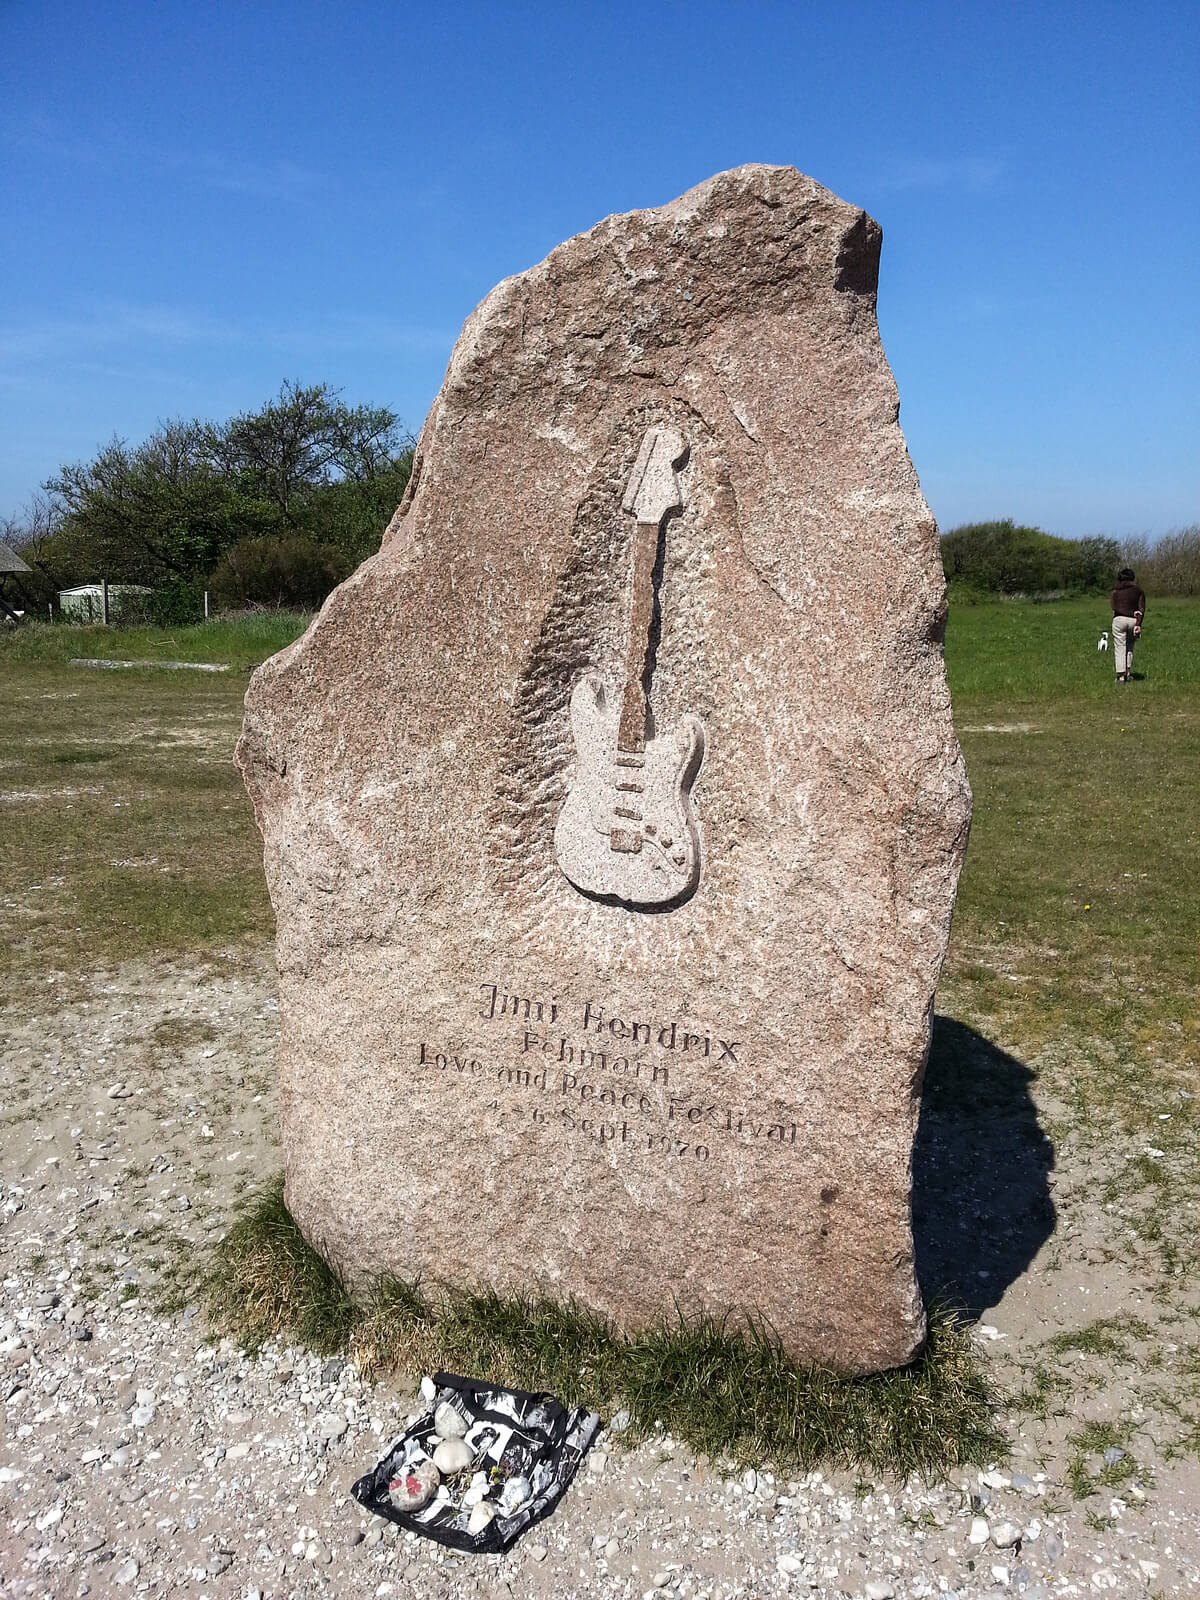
[[642, 801]]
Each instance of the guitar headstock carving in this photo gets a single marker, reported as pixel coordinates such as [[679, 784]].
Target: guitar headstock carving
[[653, 488]]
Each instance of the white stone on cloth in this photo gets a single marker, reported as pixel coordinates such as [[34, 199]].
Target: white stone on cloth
[[449, 1422], [453, 1455]]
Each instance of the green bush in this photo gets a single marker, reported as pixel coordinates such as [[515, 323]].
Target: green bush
[[174, 605], [278, 572], [1004, 558]]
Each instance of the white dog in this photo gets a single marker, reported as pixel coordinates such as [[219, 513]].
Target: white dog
[[1103, 644]]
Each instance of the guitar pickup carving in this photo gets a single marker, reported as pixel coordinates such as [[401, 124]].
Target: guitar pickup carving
[[627, 758], [626, 811], [632, 788]]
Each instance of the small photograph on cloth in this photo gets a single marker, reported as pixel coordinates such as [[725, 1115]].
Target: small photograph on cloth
[[480, 1466]]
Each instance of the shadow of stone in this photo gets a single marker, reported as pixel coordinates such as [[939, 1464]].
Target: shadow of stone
[[981, 1194]]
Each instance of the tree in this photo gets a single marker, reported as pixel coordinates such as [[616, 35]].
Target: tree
[[33, 533], [166, 511], [305, 439], [159, 510]]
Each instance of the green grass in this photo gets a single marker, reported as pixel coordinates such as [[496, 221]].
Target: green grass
[[1019, 652], [1107, 1336], [1074, 944], [1078, 907], [1086, 1476], [727, 1391], [239, 641], [128, 831]]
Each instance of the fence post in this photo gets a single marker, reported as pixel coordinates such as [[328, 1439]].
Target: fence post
[[206, 605], [104, 600]]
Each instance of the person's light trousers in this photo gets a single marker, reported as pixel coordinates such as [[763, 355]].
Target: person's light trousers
[[1122, 632]]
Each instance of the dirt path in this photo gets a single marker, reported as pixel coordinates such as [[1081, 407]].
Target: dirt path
[[136, 1457]]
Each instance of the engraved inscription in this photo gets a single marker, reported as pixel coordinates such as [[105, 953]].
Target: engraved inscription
[[677, 1035], [627, 832], [498, 1002], [608, 1078]]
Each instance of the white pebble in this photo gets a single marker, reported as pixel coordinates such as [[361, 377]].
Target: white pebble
[[481, 1515], [515, 1493], [980, 1532], [1005, 1535]]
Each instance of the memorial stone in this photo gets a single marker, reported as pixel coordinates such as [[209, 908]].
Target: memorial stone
[[613, 813]]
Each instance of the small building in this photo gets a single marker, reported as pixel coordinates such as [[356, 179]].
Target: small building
[[85, 603]]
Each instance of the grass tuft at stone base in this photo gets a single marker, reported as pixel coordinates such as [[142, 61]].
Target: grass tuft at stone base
[[727, 1390]]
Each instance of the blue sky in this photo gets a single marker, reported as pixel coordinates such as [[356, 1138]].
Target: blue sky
[[197, 201]]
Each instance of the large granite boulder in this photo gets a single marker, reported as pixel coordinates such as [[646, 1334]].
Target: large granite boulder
[[613, 813]]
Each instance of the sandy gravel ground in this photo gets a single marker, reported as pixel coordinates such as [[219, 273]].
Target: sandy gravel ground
[[136, 1457]]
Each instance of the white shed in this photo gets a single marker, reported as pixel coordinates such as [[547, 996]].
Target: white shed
[[85, 603]]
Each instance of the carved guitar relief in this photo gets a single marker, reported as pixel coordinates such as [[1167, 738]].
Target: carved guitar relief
[[627, 831]]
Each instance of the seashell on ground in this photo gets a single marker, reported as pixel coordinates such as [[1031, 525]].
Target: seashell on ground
[[452, 1455], [414, 1487]]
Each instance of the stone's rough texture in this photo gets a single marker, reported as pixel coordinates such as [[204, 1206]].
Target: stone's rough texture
[[416, 1488], [488, 1075]]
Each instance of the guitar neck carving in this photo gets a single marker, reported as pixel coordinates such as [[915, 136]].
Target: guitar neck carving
[[627, 832]]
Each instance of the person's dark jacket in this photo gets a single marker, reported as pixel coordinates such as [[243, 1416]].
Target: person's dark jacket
[[1128, 601]]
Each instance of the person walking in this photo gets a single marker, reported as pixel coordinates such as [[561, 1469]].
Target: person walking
[[1129, 612]]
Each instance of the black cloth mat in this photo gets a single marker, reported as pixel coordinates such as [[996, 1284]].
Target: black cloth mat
[[513, 1435]]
